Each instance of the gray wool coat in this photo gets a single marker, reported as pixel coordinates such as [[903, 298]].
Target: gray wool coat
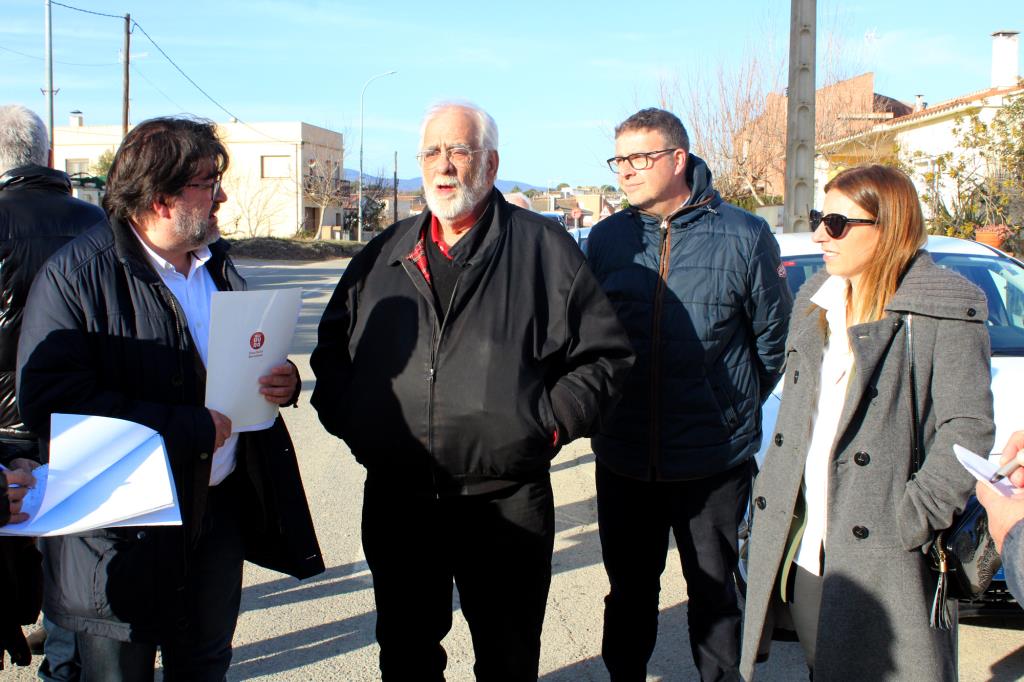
[[877, 588]]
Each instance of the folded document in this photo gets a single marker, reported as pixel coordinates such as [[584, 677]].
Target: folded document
[[983, 469], [103, 473]]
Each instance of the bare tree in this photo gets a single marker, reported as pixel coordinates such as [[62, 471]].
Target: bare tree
[[255, 203], [376, 190], [324, 183], [736, 114]]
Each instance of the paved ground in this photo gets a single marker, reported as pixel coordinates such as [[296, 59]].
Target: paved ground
[[322, 629]]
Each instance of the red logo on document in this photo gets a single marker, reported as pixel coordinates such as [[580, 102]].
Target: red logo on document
[[256, 340]]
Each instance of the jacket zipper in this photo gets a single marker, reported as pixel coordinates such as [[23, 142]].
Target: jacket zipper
[[432, 375], [665, 250]]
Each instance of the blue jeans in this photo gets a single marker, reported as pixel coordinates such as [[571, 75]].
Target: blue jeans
[[60, 661]]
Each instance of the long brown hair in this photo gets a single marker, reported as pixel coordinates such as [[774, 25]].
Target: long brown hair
[[889, 196]]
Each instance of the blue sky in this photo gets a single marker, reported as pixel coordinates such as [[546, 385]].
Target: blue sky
[[557, 76]]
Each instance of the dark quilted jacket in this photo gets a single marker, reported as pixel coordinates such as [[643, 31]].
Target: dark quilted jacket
[[706, 307]]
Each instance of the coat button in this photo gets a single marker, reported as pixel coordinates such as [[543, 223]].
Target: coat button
[[761, 502], [796, 376], [177, 381], [778, 439], [860, 532], [862, 459], [204, 456], [971, 312], [141, 535]]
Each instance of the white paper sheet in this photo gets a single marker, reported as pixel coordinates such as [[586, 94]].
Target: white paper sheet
[[103, 472], [250, 332], [983, 469]]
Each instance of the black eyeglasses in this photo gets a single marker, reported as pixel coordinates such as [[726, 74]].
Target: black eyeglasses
[[835, 223], [214, 187], [638, 161]]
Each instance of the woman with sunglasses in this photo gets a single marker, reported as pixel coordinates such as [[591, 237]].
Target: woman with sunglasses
[[840, 520]]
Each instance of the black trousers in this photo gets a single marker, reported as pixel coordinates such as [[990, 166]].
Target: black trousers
[[497, 550], [634, 520], [804, 610], [213, 592]]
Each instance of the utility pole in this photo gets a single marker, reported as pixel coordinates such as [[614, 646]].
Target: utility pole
[[127, 60], [394, 202], [800, 117], [49, 77]]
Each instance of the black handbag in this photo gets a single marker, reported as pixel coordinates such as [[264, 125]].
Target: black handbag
[[964, 555]]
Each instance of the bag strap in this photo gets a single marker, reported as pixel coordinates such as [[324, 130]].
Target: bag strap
[[939, 617], [917, 454]]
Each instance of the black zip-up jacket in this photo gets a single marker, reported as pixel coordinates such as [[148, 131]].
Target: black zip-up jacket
[[454, 405], [703, 297], [38, 215], [104, 335]]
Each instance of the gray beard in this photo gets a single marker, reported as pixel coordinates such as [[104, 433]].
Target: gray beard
[[195, 230]]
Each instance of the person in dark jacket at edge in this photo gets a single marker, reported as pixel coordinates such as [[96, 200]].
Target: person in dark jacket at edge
[[38, 215], [460, 350], [701, 291], [117, 325]]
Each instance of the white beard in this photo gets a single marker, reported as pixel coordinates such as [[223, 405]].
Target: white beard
[[465, 197]]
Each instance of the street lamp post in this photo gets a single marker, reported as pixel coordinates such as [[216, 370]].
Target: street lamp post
[[359, 222]]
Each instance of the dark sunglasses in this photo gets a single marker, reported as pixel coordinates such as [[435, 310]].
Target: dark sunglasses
[[835, 223]]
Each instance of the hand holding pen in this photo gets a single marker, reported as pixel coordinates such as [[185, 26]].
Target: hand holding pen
[[1012, 461]]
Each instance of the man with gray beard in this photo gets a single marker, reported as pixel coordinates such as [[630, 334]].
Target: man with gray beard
[[461, 349], [117, 324]]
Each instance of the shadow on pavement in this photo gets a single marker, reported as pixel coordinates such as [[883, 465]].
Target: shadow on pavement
[[303, 647], [569, 464], [671, 659], [1008, 668], [334, 581]]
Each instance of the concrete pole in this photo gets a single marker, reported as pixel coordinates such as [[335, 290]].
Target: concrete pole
[[49, 76], [800, 117], [126, 81]]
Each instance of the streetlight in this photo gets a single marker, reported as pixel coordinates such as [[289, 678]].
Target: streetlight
[[359, 224]]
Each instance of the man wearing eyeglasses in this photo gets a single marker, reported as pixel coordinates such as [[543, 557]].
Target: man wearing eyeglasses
[[699, 286], [461, 349], [117, 324]]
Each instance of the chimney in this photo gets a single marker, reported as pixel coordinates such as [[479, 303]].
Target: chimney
[[1004, 59], [919, 104], [77, 119]]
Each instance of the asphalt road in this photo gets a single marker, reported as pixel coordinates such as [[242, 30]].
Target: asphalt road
[[322, 629]]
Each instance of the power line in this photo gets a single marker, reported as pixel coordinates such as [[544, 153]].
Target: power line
[[86, 11], [32, 56], [137, 25], [155, 86]]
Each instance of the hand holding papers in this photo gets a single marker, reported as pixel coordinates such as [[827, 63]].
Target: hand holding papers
[[984, 470], [103, 472], [250, 332]]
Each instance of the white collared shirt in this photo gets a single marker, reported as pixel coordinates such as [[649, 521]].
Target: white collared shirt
[[193, 293], [836, 367]]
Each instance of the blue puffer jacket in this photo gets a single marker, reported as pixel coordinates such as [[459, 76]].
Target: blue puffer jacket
[[706, 307]]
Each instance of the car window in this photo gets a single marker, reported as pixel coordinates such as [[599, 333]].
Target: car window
[[1001, 279]]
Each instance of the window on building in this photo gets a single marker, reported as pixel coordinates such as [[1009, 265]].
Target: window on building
[[76, 166], [275, 167]]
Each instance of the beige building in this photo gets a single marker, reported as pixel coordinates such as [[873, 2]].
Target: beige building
[[270, 165], [923, 136]]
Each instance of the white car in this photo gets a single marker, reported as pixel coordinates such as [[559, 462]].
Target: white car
[[1002, 279], [998, 275]]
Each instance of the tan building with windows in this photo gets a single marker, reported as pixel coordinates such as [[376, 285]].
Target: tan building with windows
[[270, 165]]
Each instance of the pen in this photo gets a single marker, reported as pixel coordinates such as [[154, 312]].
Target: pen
[[1005, 470]]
